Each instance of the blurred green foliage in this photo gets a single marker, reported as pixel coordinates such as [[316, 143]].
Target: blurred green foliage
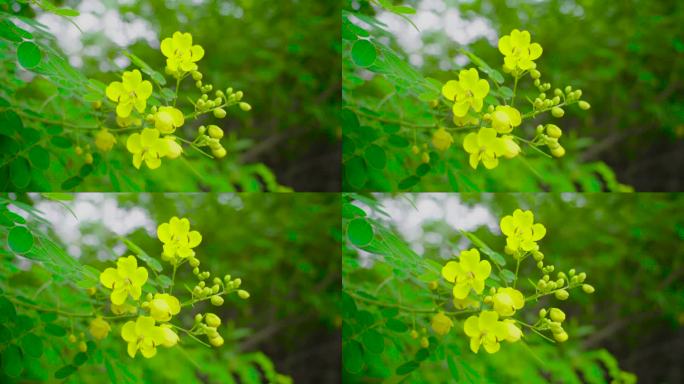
[[285, 247], [628, 245], [632, 134], [284, 56]]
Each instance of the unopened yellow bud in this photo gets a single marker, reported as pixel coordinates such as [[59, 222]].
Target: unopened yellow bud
[[245, 107], [212, 320], [559, 151], [535, 74], [196, 75], [88, 158], [219, 153], [82, 346], [424, 342], [216, 341], [414, 334], [561, 336], [557, 112], [542, 313], [243, 294], [562, 294], [91, 291], [557, 315], [78, 150], [425, 158], [584, 105], [217, 300], [215, 132], [72, 338], [588, 288], [219, 113]]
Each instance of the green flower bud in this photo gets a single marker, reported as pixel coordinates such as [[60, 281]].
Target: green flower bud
[[535, 74], [243, 294], [541, 285], [215, 288], [238, 95], [587, 288], [546, 278], [542, 95], [558, 151], [198, 318], [219, 153], [557, 92], [555, 326], [196, 75], [537, 83], [237, 282], [195, 271], [568, 89], [562, 294], [556, 100], [542, 313], [194, 262], [577, 94], [245, 107], [557, 315], [219, 113], [560, 282], [201, 284], [217, 300], [205, 97], [557, 112], [561, 336], [584, 105], [538, 256], [215, 132], [206, 291], [198, 84], [226, 278], [581, 277], [571, 272], [540, 264], [217, 281], [552, 285], [212, 320], [553, 131]]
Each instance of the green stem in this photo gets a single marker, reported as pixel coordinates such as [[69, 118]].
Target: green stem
[[173, 278], [517, 268], [533, 329], [405, 308], [538, 295], [515, 89], [191, 335], [391, 121], [60, 312], [175, 99], [195, 147], [195, 301]]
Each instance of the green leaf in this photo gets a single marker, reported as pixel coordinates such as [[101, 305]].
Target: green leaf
[[72, 182], [7, 310], [142, 255], [28, 54], [80, 358], [350, 211], [496, 257], [12, 361], [363, 53], [65, 371], [352, 357], [398, 141], [164, 281], [396, 325], [360, 232], [20, 239], [32, 345], [20, 173], [407, 368], [355, 172], [55, 330], [66, 12], [375, 156], [403, 10], [423, 169], [373, 341], [452, 368], [10, 122], [409, 182], [61, 142], [507, 275], [156, 76], [40, 158]]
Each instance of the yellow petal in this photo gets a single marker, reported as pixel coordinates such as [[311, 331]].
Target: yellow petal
[[535, 51], [163, 233], [505, 45], [483, 270], [128, 331], [461, 108], [197, 53], [507, 226], [139, 277], [108, 277], [132, 349], [470, 143], [124, 109], [194, 239], [167, 47], [114, 91], [461, 290], [471, 326], [450, 89], [449, 271], [118, 296], [538, 232]]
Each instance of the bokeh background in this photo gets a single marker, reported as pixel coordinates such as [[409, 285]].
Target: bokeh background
[[285, 247], [626, 56], [284, 55], [630, 247]]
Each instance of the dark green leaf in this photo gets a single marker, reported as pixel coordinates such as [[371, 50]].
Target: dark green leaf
[[396, 325], [363, 53], [72, 182], [409, 182], [407, 368], [373, 341], [12, 361], [55, 330], [375, 156], [20, 172], [65, 371], [28, 54], [355, 172], [32, 345], [20, 239], [80, 358], [360, 232], [40, 158], [423, 169], [352, 357]]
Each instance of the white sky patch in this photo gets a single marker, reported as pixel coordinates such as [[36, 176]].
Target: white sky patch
[[95, 17], [93, 208], [432, 16]]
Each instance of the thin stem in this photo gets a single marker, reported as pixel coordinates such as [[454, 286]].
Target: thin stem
[[175, 99], [192, 144], [517, 268], [173, 278], [194, 301], [391, 121], [60, 312], [405, 308], [191, 335], [538, 295], [533, 329], [515, 89]]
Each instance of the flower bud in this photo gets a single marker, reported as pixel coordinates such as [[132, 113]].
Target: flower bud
[[546, 278], [82, 346], [581, 277], [245, 107], [198, 318], [206, 291], [219, 153], [414, 334], [196, 75], [88, 158], [425, 158], [561, 336], [584, 105], [557, 112], [244, 295], [571, 272], [215, 132], [588, 288], [555, 326], [557, 315], [537, 82], [553, 131], [557, 92], [540, 264], [577, 94], [415, 149], [541, 285], [217, 300], [195, 271], [556, 100], [194, 262], [424, 342], [238, 95], [216, 341], [432, 285], [542, 313], [535, 74], [219, 113], [562, 294], [215, 288], [212, 320], [198, 84], [559, 151], [72, 338]]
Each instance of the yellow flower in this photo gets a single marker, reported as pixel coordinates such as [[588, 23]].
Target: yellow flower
[[468, 92], [126, 279], [507, 300], [147, 146], [163, 306], [167, 119], [466, 303], [486, 146], [518, 52], [173, 149], [468, 273], [123, 309], [441, 324], [505, 118], [442, 139], [145, 336], [178, 239], [487, 330], [99, 328], [181, 54], [510, 147], [133, 92], [104, 140], [521, 232]]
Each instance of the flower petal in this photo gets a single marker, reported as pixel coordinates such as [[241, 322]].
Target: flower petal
[[108, 277]]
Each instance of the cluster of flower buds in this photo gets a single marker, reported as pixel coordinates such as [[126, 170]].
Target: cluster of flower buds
[[208, 327]]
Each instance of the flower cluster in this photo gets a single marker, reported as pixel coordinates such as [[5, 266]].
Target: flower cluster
[[495, 137], [152, 326], [159, 126], [494, 309]]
